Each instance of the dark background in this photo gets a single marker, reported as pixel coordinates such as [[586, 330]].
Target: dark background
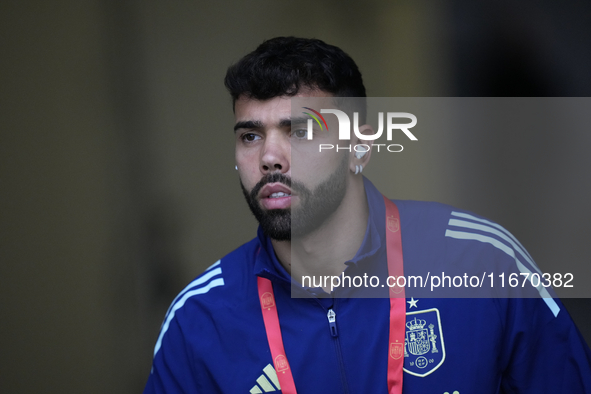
[[117, 182]]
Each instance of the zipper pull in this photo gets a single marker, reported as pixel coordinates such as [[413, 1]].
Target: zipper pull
[[332, 322]]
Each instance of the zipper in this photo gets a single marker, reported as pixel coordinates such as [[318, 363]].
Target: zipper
[[332, 318], [332, 324]]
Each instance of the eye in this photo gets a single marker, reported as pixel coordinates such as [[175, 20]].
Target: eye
[[300, 134], [250, 137]]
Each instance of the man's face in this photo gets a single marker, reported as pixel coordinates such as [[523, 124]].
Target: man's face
[[265, 141]]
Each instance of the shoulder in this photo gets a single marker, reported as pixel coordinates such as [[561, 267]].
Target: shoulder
[[209, 305], [442, 238], [461, 229], [223, 279], [428, 213], [219, 288]]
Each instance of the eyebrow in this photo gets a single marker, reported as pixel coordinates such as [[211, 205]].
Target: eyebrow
[[257, 124], [303, 119], [248, 124]]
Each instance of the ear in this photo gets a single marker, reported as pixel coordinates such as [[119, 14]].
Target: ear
[[361, 152]]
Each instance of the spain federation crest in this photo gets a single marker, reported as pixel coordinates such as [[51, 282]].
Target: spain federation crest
[[267, 300], [424, 349], [396, 350], [281, 364], [393, 224]]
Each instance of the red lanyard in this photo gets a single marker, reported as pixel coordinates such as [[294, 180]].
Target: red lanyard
[[397, 313]]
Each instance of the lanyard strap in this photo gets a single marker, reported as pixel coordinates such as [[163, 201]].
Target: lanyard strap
[[397, 313], [271, 319], [397, 299]]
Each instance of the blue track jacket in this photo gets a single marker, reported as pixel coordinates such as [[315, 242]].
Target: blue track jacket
[[213, 337]]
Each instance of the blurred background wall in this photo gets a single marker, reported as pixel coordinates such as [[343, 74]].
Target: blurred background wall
[[116, 154]]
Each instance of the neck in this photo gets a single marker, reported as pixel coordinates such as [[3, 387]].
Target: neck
[[325, 250]]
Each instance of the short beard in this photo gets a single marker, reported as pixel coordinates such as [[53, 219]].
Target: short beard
[[315, 206]]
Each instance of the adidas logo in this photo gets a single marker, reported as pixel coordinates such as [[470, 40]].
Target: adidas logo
[[263, 384]]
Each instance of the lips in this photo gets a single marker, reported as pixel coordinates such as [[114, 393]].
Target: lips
[[275, 196]]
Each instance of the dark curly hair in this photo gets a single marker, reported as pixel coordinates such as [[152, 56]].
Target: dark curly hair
[[282, 66]]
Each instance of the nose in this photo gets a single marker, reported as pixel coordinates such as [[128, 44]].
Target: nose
[[276, 154]]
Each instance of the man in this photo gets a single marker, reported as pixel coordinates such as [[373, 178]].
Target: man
[[249, 323]]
